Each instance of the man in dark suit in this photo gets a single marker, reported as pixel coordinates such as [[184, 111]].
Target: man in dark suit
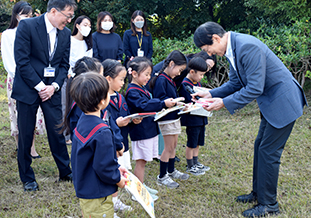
[[41, 51], [256, 73]]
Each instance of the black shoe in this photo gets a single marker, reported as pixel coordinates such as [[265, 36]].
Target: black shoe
[[250, 198], [67, 178], [31, 186], [35, 157], [261, 210], [177, 159]]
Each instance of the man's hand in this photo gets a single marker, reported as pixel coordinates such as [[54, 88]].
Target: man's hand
[[216, 105], [47, 92]]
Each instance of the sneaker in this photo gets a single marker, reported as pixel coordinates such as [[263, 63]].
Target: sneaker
[[119, 205], [178, 175], [202, 167], [115, 215], [151, 190], [195, 171], [167, 181]]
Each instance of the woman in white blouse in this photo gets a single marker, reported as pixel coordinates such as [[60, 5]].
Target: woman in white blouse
[[81, 40], [21, 10]]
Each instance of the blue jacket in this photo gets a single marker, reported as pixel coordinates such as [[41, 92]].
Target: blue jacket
[[163, 89], [93, 159], [130, 44], [75, 114], [261, 75], [139, 100], [187, 119], [118, 108]]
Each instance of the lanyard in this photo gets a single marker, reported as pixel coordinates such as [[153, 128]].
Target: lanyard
[[140, 41], [49, 46]]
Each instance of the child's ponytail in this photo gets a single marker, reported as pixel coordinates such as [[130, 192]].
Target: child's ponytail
[[177, 57]]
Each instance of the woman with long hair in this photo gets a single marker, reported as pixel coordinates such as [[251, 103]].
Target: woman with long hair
[[21, 10], [137, 41]]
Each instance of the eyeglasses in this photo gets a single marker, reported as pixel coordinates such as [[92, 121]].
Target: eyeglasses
[[67, 16]]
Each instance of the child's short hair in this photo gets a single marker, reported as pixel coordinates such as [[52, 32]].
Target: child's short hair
[[86, 64], [112, 68], [88, 89], [197, 64]]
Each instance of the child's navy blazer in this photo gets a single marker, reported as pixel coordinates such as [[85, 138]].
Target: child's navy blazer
[[75, 114], [93, 159], [139, 100], [118, 107], [73, 117], [187, 119], [163, 89]]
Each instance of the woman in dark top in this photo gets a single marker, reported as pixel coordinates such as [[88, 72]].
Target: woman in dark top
[[106, 43], [137, 41]]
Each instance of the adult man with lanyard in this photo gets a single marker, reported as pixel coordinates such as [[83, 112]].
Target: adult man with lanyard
[[41, 52]]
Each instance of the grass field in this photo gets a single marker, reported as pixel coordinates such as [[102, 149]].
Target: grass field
[[228, 151]]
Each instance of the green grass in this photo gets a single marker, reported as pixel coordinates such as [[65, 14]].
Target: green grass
[[228, 151]]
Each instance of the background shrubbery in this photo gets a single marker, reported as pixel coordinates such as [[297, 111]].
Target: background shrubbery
[[282, 25]]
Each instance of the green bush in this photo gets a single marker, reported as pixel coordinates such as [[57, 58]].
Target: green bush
[[291, 44], [162, 47]]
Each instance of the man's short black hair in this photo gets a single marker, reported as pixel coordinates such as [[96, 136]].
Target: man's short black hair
[[204, 33], [61, 4]]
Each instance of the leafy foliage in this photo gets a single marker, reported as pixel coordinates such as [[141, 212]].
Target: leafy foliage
[[291, 44]]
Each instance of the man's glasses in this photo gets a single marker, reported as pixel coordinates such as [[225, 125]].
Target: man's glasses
[[67, 16]]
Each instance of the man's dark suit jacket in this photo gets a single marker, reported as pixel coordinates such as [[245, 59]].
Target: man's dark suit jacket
[[31, 43]]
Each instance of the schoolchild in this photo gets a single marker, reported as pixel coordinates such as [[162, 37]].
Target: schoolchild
[[163, 87], [96, 172], [144, 136], [115, 74], [73, 112], [195, 125]]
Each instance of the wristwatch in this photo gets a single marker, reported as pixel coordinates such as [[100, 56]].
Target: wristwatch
[[56, 87]]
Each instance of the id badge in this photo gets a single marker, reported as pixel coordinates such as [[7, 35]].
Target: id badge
[[140, 53], [49, 72]]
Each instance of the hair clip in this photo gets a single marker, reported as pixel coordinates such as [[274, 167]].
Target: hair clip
[[129, 70]]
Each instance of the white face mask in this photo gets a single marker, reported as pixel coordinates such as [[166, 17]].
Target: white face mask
[[19, 18], [139, 24], [85, 30], [107, 25]]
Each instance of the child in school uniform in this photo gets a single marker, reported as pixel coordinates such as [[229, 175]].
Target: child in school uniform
[[195, 125], [144, 136], [115, 74], [96, 172], [72, 111], [163, 87]]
